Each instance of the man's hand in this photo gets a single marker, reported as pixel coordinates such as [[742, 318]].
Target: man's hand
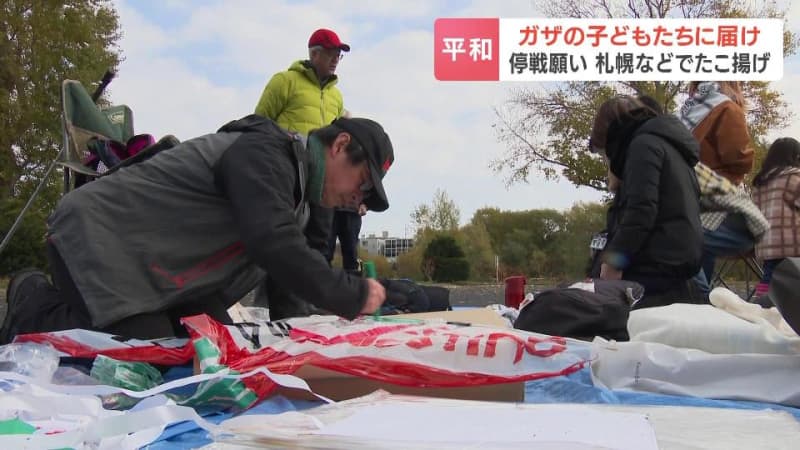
[[608, 272], [362, 209], [376, 295]]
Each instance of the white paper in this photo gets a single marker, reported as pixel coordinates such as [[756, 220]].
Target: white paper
[[489, 425]]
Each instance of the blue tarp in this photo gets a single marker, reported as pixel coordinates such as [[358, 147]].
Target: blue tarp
[[574, 388]]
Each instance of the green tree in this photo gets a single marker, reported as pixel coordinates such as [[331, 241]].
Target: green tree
[[444, 260], [524, 240], [477, 245], [489, 219], [441, 215], [26, 249], [41, 44], [546, 130], [581, 222], [409, 264], [516, 251]]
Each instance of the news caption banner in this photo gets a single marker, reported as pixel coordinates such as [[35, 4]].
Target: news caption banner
[[543, 49]]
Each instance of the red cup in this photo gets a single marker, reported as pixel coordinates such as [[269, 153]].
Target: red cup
[[515, 291]]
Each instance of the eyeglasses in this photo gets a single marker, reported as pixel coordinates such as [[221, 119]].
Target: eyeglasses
[[333, 53]]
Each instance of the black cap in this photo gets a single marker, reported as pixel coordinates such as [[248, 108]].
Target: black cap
[[380, 155]]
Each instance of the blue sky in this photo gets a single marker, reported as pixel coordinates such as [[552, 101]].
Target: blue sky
[[192, 65]]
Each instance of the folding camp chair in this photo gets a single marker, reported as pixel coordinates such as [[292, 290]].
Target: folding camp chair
[[726, 264], [101, 135], [83, 124], [83, 121]]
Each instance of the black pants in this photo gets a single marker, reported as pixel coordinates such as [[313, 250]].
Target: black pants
[[60, 306], [282, 304], [663, 291], [346, 226]]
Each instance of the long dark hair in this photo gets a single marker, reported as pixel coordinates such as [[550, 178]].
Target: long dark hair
[[652, 103], [783, 153], [618, 109]]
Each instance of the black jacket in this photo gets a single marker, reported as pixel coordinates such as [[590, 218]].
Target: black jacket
[[259, 168], [207, 217], [654, 223]]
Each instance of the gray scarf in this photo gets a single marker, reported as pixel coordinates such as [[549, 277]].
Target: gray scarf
[[699, 105]]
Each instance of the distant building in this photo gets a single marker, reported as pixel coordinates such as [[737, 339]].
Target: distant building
[[388, 247]]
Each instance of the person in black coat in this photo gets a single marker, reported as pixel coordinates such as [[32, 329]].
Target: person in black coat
[[194, 228], [654, 232]]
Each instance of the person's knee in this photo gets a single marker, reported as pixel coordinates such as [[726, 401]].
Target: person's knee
[[33, 306]]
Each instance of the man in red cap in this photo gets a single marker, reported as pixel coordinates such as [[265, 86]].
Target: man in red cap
[[294, 98], [301, 99]]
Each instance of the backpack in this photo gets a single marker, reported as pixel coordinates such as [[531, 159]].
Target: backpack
[[406, 296], [580, 313], [106, 156], [439, 298]]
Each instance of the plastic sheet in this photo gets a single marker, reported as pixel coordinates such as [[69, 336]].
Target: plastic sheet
[[38, 361], [78, 343], [73, 416], [401, 353], [136, 376], [714, 329], [652, 367], [675, 427]]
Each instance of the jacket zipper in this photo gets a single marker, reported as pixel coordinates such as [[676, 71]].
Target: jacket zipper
[[322, 106]]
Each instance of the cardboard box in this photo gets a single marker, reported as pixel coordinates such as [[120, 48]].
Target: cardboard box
[[475, 316], [338, 386]]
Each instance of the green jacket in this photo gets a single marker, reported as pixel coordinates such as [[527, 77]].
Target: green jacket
[[295, 100]]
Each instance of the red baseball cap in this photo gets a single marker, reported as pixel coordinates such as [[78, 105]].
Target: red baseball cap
[[327, 39]]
